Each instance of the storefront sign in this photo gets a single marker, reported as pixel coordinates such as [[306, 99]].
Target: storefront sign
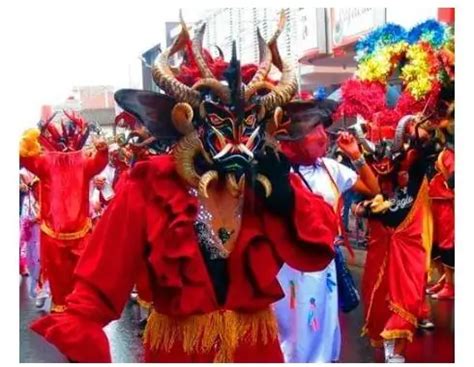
[[348, 24]]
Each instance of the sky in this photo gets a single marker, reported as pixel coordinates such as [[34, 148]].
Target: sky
[[52, 46]]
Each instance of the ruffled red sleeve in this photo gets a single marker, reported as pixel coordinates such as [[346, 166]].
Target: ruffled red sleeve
[[34, 164], [97, 163], [104, 277], [307, 244]]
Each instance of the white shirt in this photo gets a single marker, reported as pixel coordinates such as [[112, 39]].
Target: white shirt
[[318, 179]]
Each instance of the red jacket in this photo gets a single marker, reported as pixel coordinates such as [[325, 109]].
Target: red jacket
[[152, 219]]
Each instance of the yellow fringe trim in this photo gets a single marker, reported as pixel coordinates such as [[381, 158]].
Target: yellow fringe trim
[[404, 314], [58, 308], [221, 331], [427, 234], [67, 236], [29, 144], [144, 304], [397, 334]]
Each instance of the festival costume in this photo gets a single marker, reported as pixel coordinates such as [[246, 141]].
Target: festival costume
[[101, 193], [64, 202], [399, 221], [442, 202], [212, 285], [308, 316], [29, 227]]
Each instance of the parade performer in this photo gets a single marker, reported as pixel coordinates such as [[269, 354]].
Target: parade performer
[[101, 191], [442, 186], [441, 192], [30, 237], [55, 155], [308, 316], [398, 140], [214, 221]]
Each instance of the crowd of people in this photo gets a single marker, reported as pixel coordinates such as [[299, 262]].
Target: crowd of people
[[222, 202]]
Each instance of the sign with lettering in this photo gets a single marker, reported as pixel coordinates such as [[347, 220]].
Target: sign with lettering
[[348, 24]]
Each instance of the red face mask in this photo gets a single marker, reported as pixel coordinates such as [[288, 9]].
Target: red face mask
[[307, 150]]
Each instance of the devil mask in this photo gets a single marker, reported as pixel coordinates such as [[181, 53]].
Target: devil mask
[[68, 135], [218, 122]]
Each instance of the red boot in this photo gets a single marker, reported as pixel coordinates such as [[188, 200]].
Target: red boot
[[446, 293]]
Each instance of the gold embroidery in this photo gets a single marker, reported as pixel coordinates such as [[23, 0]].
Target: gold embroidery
[[58, 308], [397, 334], [67, 236], [404, 314]]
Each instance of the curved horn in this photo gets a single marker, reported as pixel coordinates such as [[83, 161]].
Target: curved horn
[[400, 132], [219, 50], [272, 43], [359, 134], [182, 116], [284, 91], [265, 183], [288, 85], [197, 50], [219, 89], [232, 185], [184, 152], [165, 78], [265, 62], [250, 91], [205, 181]]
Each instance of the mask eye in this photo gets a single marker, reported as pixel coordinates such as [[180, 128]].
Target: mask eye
[[250, 120], [215, 120]]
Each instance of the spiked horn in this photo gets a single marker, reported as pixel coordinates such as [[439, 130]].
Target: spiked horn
[[205, 181], [265, 183], [359, 134], [400, 132], [265, 63], [197, 50], [287, 87], [164, 77], [184, 152]]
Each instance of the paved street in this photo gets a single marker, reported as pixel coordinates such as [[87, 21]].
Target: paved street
[[428, 346]]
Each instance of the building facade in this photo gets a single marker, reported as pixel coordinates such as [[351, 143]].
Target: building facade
[[319, 41]]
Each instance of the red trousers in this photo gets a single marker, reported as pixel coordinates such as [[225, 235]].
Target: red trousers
[[58, 261]]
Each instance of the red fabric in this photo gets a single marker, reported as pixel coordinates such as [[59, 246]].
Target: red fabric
[[400, 281], [64, 186], [442, 206], [447, 163], [245, 353], [64, 205], [58, 260], [152, 217]]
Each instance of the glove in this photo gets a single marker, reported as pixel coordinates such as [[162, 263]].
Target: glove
[[450, 182], [276, 167]]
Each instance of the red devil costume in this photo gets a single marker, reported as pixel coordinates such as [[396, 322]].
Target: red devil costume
[[398, 141], [399, 224], [64, 175], [441, 192], [213, 222]]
